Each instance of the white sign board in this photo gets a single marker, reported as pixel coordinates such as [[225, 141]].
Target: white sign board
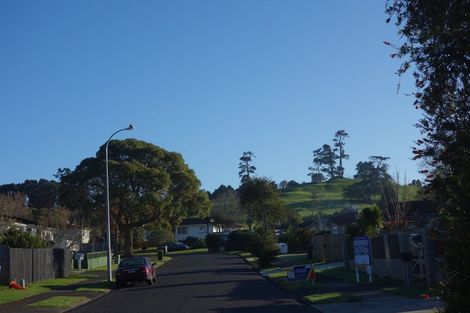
[[361, 251]]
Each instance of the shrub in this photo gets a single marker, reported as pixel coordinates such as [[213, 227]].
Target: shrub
[[213, 242], [194, 242], [298, 239], [240, 240], [264, 249], [15, 238]]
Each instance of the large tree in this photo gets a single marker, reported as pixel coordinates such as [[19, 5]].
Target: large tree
[[38, 194], [246, 168], [259, 198], [326, 157], [225, 206], [147, 184], [12, 206], [339, 143], [315, 171], [436, 48], [371, 176]]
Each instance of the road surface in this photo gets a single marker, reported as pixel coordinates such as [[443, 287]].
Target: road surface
[[200, 283]]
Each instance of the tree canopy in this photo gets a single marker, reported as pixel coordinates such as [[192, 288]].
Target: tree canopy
[[259, 198], [147, 185], [246, 168], [436, 48], [371, 176]]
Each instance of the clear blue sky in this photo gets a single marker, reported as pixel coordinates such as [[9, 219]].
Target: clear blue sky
[[208, 79]]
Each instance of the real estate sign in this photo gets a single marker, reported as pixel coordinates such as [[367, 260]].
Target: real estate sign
[[299, 272], [361, 250]]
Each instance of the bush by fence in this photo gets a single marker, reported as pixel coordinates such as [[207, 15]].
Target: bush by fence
[[194, 242], [214, 242], [240, 240]]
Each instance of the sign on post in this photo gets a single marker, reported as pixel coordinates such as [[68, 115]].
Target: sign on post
[[302, 272], [362, 255]]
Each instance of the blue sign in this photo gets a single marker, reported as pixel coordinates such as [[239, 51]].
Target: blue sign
[[299, 272], [361, 251]]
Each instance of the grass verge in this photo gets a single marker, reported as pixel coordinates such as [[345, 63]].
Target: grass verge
[[10, 295], [102, 286], [331, 297], [341, 274], [412, 292], [59, 301], [189, 251]]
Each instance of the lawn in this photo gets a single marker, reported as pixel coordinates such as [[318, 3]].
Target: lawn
[[294, 259], [331, 198], [10, 295], [343, 274], [331, 297], [60, 301]]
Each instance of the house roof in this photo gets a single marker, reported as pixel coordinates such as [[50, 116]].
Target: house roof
[[196, 221]]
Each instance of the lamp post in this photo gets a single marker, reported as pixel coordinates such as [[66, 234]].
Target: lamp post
[[108, 222]]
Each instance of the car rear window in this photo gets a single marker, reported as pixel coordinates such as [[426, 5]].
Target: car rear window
[[132, 262]]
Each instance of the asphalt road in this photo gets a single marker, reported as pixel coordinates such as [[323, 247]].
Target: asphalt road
[[200, 283]]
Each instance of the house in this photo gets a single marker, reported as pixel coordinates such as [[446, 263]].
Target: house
[[69, 238], [196, 227]]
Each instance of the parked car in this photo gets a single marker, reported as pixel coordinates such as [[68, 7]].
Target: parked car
[[174, 246], [135, 269]]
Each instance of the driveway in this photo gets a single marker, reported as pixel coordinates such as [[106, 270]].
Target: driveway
[[200, 283]]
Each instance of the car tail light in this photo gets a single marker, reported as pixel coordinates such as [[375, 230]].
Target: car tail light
[[145, 270]]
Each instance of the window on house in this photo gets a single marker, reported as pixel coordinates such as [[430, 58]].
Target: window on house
[[182, 230], [202, 229]]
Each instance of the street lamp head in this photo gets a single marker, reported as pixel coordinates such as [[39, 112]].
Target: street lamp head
[[131, 127]]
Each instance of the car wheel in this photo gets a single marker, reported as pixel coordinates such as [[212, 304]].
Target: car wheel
[[150, 282]]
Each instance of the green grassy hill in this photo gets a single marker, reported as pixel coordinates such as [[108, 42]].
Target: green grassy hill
[[331, 198]]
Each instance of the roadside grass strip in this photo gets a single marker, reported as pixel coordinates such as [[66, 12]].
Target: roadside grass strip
[[248, 257], [87, 289], [59, 301], [10, 295], [102, 286], [412, 292], [189, 251], [331, 297]]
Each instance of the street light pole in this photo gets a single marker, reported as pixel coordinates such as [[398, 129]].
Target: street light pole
[[108, 221]]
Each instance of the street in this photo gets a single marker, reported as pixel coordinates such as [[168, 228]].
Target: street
[[200, 283]]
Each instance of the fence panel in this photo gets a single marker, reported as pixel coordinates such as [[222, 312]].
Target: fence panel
[[21, 264], [42, 265], [33, 264], [327, 248], [4, 264], [393, 246]]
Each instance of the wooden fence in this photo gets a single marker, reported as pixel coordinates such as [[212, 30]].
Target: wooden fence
[[387, 256], [327, 248], [33, 264]]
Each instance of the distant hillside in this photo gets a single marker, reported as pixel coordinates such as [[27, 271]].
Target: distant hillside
[[331, 197]]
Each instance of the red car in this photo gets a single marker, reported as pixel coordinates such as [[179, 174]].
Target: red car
[[136, 269]]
